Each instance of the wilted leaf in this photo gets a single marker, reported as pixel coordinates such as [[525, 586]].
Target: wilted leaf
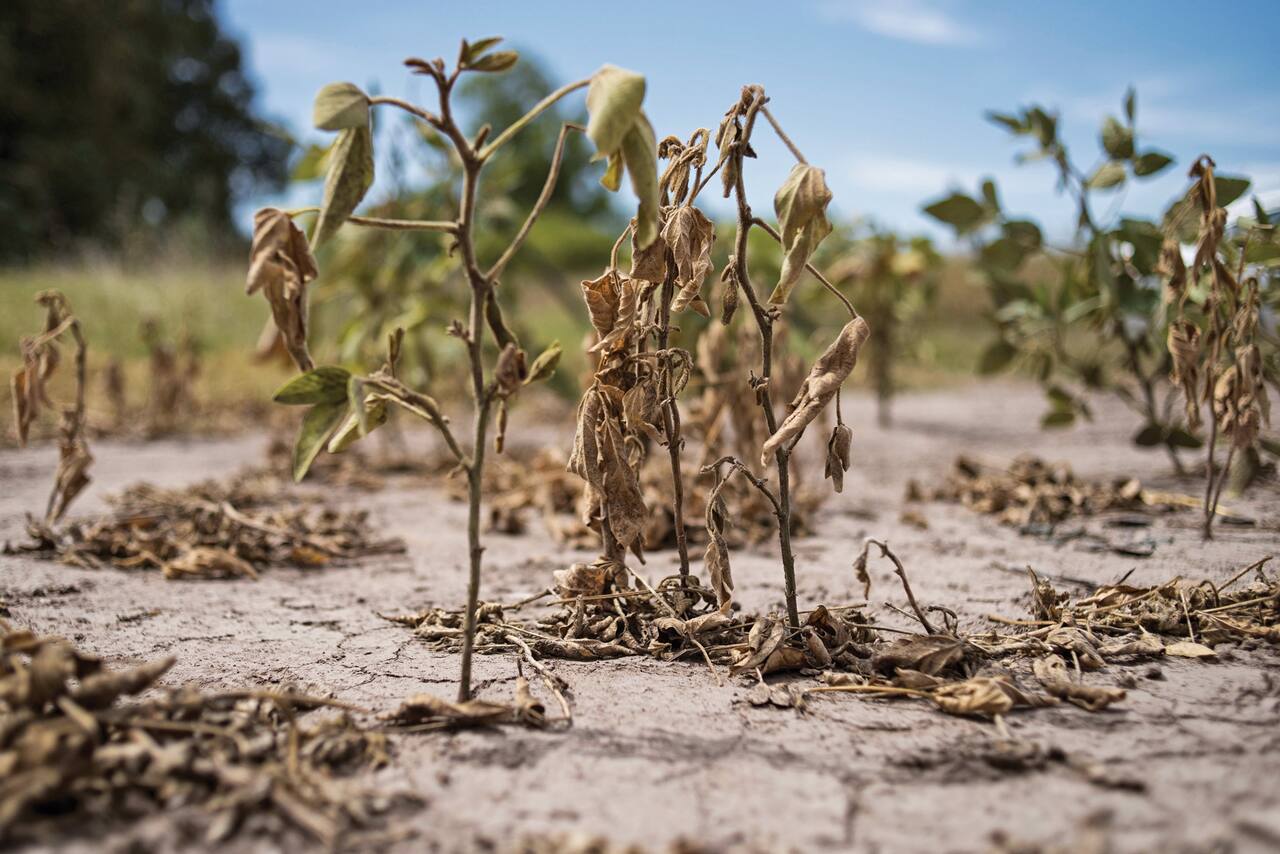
[[1052, 674], [614, 99], [689, 235], [318, 425], [929, 654], [545, 364], [1187, 649], [340, 106], [1151, 163], [640, 154], [838, 447], [281, 265], [350, 176], [830, 370], [648, 264], [980, 695], [801, 206]]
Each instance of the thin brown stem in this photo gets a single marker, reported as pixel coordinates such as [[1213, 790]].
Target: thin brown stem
[[826, 283], [387, 224], [782, 135], [671, 415], [901, 572], [521, 123], [544, 198]]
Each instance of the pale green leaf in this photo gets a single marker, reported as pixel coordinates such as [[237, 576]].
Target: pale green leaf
[[350, 176], [1117, 140], [494, 62], [640, 156], [614, 99], [957, 210], [545, 365], [1109, 174], [1150, 163], [340, 106], [317, 426]]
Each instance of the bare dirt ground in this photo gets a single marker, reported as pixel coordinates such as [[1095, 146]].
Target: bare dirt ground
[[658, 751]]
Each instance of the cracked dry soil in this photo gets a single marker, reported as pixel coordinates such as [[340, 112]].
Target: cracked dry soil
[[658, 752]]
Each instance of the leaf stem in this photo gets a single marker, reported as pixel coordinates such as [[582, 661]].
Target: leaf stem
[[521, 123]]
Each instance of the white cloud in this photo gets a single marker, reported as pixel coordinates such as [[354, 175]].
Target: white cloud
[[919, 21]]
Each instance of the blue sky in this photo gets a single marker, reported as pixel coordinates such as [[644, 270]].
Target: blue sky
[[886, 96]]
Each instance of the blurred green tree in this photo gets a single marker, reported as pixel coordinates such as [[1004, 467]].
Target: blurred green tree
[[124, 116]]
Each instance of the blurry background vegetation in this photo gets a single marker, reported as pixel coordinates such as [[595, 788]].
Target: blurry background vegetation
[[131, 146]]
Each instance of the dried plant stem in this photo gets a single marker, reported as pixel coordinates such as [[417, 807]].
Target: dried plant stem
[[900, 571], [786, 140], [764, 324], [388, 224], [671, 417]]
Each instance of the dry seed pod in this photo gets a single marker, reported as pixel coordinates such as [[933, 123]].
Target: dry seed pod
[[729, 278], [838, 447], [281, 265], [689, 234], [825, 378], [510, 372]]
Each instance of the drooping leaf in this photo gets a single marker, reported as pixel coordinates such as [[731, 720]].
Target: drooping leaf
[[318, 426], [640, 155], [545, 364], [340, 106], [801, 206], [325, 384], [997, 356], [614, 99], [281, 265], [350, 176], [1109, 174], [828, 373]]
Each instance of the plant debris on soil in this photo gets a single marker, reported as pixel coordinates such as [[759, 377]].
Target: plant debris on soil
[[597, 613], [70, 746], [214, 529]]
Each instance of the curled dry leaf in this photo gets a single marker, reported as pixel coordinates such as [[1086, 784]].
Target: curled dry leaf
[[649, 263], [929, 654], [838, 447], [1052, 674], [830, 370], [980, 695], [689, 235], [801, 205], [716, 557], [510, 372], [1189, 649], [281, 265], [1184, 348]]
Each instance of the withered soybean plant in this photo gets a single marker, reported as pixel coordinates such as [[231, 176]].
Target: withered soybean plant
[[800, 205], [344, 407], [40, 359], [1213, 330]]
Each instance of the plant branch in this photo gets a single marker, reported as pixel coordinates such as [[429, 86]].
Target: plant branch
[[826, 283], [901, 572], [782, 135], [544, 198], [758, 482], [521, 123], [388, 224]]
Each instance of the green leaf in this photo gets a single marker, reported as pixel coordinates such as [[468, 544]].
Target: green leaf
[[1109, 174], [311, 164], [495, 62], [1010, 123], [996, 357], [1024, 231], [350, 176], [640, 156], [1260, 213], [1005, 254], [545, 365], [614, 99], [957, 210], [325, 384], [471, 51], [990, 196], [1180, 438], [340, 106], [1117, 140], [801, 206], [1151, 163], [1150, 436], [1130, 105], [1228, 188], [1056, 418], [317, 426]]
